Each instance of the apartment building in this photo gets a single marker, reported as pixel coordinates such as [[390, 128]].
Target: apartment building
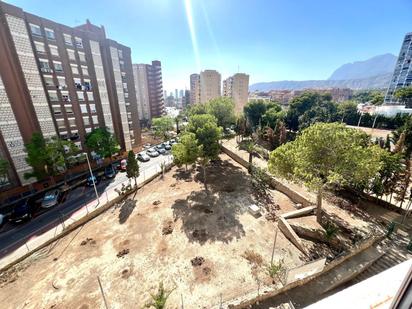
[[237, 88], [402, 75], [149, 90], [210, 85], [194, 88], [61, 81]]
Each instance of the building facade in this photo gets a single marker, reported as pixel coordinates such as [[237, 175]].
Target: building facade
[[61, 81], [210, 85], [402, 75], [142, 93], [149, 81], [194, 88], [237, 88]]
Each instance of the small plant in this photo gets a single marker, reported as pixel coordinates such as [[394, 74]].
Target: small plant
[[330, 231], [274, 269], [253, 258], [160, 298]]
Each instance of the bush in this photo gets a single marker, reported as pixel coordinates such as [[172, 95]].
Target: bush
[[274, 269], [330, 231]]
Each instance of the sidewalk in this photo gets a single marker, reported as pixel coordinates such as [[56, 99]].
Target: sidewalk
[[60, 225]]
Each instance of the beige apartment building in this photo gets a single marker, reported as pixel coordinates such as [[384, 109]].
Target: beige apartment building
[[237, 88], [194, 89], [210, 83]]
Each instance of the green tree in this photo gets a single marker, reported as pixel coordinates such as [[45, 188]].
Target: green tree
[[327, 154], [208, 134], [272, 116], [377, 98], [250, 147], [187, 150], [321, 111], [102, 142], [404, 95], [197, 109], [4, 168], [162, 126], [348, 112], [37, 157], [254, 111], [132, 167], [224, 111]]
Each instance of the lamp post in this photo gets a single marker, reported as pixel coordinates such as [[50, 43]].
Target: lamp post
[[92, 176]]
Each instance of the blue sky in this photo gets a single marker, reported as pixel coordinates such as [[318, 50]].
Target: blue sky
[[270, 40]]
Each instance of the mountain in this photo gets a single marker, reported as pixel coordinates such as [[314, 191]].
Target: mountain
[[374, 73], [375, 66]]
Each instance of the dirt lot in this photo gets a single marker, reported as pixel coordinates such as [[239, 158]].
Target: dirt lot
[[153, 238]]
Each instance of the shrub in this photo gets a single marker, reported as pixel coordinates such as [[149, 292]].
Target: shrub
[[274, 269]]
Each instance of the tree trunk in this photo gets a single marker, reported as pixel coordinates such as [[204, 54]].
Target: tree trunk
[[135, 181], [250, 162], [204, 178], [319, 206]]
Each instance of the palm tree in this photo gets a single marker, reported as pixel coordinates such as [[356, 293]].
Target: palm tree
[[250, 147]]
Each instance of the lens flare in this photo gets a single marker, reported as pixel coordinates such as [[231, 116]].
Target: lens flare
[[189, 16]]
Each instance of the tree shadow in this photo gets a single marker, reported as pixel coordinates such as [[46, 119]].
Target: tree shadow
[[214, 215], [183, 174], [126, 210]]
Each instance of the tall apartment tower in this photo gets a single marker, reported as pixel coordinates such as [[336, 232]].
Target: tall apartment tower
[[237, 88], [402, 75], [210, 84], [194, 89], [61, 81], [142, 93]]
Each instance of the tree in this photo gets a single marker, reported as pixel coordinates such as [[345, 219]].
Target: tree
[[224, 111], [377, 98], [327, 154], [404, 95], [321, 111], [208, 134], [254, 111], [132, 167], [4, 168], [197, 109], [160, 298], [187, 150], [37, 157], [162, 126], [272, 116], [250, 147], [348, 112], [102, 142]]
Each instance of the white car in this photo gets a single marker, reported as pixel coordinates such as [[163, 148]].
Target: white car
[[152, 153], [142, 156]]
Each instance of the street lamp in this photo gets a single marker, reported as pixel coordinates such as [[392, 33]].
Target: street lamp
[[92, 176]]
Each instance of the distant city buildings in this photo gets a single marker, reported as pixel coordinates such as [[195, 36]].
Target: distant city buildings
[[402, 75], [149, 90], [194, 88], [61, 81], [237, 88]]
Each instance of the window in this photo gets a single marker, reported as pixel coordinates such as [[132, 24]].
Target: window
[[39, 47], [75, 69], [126, 95], [57, 110], [80, 95], [49, 34], [124, 85], [85, 71], [87, 85], [61, 82], [72, 122], [120, 52], [121, 65], [79, 42], [53, 96], [90, 96], [67, 39], [35, 29], [83, 109], [65, 96], [58, 66], [70, 53], [88, 130], [86, 121], [60, 123], [48, 80], [77, 83], [54, 50], [92, 108], [82, 57], [45, 66], [69, 109], [95, 121]]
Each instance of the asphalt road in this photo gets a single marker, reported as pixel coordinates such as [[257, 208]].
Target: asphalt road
[[14, 235]]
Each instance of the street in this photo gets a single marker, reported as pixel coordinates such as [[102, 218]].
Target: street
[[13, 235]]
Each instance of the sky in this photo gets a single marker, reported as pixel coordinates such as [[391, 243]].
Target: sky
[[269, 40]]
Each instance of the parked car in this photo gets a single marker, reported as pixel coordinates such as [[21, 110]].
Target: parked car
[[147, 146], [167, 146], [142, 156], [172, 141], [160, 149], [109, 171], [90, 180], [22, 211], [123, 165], [152, 153], [51, 198]]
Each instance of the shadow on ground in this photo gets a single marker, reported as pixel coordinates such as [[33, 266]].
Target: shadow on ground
[[214, 215], [126, 210]]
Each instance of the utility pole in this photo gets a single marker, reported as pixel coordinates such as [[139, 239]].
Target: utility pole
[[92, 176], [274, 244]]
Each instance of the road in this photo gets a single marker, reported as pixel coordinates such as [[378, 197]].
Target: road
[[14, 235]]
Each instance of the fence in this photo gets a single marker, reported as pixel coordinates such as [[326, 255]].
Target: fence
[[67, 221]]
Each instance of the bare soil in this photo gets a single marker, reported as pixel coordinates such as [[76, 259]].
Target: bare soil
[[138, 244]]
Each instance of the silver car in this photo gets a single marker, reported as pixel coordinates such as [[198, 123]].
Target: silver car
[[152, 153], [51, 198]]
